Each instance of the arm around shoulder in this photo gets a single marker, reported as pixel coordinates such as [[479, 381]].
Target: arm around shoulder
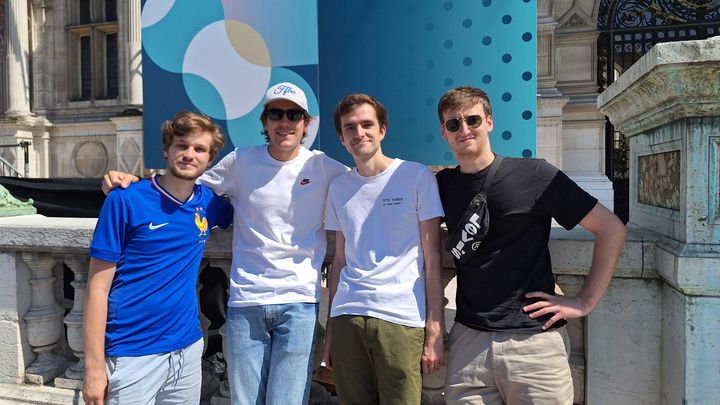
[[114, 179], [221, 178]]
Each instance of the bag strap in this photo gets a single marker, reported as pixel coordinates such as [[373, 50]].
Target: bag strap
[[491, 174]]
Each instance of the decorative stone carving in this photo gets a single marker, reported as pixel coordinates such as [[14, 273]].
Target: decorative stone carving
[[574, 21], [73, 322], [43, 319], [91, 159], [129, 159], [659, 179], [129, 137], [714, 180]]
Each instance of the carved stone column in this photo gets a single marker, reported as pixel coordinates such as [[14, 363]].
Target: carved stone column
[[18, 50], [73, 322], [43, 319], [42, 90], [573, 56], [134, 47]]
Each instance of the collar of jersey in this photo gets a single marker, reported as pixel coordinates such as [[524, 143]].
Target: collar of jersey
[[167, 195]]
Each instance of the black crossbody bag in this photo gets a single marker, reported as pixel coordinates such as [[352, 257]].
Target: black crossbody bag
[[465, 240]]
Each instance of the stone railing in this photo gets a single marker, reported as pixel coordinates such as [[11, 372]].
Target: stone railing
[[44, 264]]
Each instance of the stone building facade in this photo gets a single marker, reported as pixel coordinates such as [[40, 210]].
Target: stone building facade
[[73, 88], [72, 84]]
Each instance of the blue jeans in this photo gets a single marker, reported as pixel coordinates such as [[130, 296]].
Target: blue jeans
[[270, 351]]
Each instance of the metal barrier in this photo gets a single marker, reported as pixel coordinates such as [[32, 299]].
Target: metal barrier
[[5, 165]]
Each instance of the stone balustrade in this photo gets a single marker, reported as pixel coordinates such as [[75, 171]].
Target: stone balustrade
[[43, 268]]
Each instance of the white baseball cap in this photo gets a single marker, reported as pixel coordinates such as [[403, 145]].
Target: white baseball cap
[[287, 91]]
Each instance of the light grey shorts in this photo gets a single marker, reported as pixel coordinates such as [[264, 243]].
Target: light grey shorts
[[167, 378]]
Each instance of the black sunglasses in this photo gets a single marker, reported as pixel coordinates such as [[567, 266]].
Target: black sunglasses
[[453, 124], [293, 114]]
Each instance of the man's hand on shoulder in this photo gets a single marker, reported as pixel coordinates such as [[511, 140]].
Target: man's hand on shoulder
[[114, 179]]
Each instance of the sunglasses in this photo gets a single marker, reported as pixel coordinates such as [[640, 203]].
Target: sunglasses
[[453, 124], [293, 114]]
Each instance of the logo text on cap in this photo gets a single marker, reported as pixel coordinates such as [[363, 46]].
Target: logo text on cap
[[284, 90]]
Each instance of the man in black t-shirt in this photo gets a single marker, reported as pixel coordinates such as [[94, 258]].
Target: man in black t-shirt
[[508, 344]]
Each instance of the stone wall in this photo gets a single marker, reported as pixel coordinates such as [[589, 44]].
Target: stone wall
[[615, 350]]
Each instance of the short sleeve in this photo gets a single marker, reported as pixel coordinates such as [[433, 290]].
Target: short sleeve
[[333, 168], [221, 177], [428, 197], [331, 217], [565, 201], [222, 212], [109, 236]]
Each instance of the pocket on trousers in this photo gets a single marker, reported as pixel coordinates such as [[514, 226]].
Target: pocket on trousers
[[111, 370]]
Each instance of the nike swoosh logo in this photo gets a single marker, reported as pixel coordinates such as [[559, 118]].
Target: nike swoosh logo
[[154, 227]]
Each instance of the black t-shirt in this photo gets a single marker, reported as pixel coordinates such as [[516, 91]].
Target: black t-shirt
[[514, 258]]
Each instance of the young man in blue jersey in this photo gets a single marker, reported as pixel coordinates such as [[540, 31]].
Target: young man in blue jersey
[[143, 342]]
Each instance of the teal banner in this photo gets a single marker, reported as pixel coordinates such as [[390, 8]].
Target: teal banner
[[219, 57]]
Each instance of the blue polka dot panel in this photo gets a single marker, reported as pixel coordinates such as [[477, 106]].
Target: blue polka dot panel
[[219, 57]]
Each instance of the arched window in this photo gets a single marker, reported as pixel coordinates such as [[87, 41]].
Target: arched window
[[628, 29]]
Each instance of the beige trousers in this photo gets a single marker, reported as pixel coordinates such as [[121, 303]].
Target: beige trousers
[[508, 368]]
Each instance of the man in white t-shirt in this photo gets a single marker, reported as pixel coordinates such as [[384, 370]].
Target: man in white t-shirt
[[278, 192], [385, 288]]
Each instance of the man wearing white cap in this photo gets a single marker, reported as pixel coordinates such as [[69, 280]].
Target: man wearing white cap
[[278, 192]]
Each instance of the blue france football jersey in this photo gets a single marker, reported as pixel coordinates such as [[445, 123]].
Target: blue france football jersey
[[157, 243]]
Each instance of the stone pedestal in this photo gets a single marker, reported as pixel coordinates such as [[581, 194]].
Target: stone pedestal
[[668, 105]]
